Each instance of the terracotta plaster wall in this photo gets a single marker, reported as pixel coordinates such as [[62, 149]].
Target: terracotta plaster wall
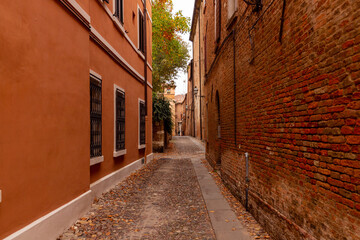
[[44, 117], [102, 22], [111, 74], [296, 114]]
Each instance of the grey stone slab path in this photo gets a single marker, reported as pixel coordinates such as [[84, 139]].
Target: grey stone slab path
[[173, 197], [224, 222], [223, 219]]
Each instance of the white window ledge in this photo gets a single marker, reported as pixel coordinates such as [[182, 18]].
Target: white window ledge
[[141, 146], [119, 153], [96, 160]]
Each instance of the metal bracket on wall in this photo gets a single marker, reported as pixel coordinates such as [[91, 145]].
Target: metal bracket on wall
[[252, 57], [257, 3], [282, 22]]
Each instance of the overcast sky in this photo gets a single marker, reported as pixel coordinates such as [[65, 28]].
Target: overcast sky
[[186, 6]]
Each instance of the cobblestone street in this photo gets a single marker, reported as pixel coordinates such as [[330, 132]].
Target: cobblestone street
[[163, 200]]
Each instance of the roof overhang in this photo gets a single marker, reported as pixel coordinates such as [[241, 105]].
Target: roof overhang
[[195, 18]]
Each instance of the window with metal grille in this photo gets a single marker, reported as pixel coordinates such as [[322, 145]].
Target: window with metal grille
[[141, 32], [95, 118], [119, 10], [218, 20], [142, 123], [120, 120]]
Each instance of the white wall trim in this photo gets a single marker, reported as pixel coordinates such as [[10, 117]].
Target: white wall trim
[[114, 52], [119, 153], [122, 29], [78, 8], [78, 11], [56, 222], [149, 17], [96, 75], [96, 160], [106, 183], [53, 224], [150, 67], [149, 84], [149, 158]]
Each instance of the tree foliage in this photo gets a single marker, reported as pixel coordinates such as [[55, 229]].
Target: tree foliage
[[170, 52], [162, 111]]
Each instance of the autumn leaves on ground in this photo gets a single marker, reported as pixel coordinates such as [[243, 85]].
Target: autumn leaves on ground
[[163, 200]]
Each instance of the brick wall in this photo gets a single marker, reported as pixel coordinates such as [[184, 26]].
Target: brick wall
[[296, 113]]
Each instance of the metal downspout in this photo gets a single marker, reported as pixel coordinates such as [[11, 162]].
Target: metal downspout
[[200, 72], [145, 71], [146, 60], [234, 75]]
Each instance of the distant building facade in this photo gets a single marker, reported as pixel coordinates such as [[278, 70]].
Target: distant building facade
[[169, 93], [180, 114], [197, 71], [75, 107], [282, 97]]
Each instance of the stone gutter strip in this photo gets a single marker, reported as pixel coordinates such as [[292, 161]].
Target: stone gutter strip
[[225, 223]]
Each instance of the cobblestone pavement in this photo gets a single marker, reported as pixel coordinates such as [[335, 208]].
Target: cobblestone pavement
[[161, 201]]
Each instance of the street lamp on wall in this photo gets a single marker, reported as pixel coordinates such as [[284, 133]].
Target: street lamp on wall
[[196, 90]]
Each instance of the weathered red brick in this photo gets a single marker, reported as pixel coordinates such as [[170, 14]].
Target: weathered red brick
[[348, 44], [347, 130], [353, 139], [335, 182]]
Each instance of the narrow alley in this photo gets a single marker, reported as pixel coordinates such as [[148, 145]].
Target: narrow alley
[[172, 197]]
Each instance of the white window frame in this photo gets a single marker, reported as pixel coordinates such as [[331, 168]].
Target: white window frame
[[96, 77], [138, 30], [215, 20], [121, 152], [140, 146], [114, 11], [232, 8]]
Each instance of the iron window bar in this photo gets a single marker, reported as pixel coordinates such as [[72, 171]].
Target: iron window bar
[[141, 32], [120, 120], [142, 123], [119, 10], [95, 119]]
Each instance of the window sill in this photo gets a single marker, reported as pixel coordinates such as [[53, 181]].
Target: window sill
[[231, 20], [96, 160], [141, 146], [119, 153], [118, 25]]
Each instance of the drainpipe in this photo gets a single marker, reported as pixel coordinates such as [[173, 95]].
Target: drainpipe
[[146, 60], [200, 71], [193, 98], [234, 75], [145, 70], [282, 21], [247, 181]]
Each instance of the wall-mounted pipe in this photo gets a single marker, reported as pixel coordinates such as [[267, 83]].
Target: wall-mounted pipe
[[200, 75], [234, 76], [146, 60], [247, 181], [282, 21]]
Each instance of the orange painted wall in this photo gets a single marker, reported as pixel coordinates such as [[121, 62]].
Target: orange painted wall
[[44, 117], [45, 57], [111, 74]]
